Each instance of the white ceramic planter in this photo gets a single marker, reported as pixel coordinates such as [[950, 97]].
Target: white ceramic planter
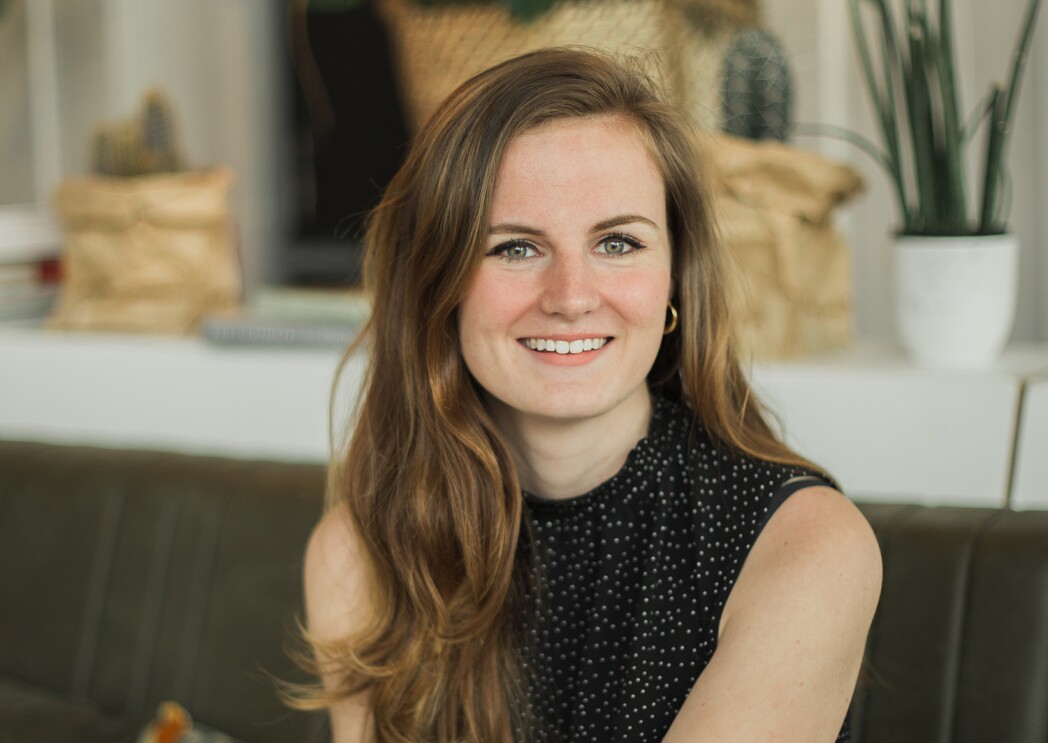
[[955, 298]]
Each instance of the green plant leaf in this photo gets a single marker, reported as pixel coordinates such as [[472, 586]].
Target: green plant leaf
[[527, 10], [988, 218], [914, 89], [955, 206], [993, 217], [982, 111], [330, 6], [846, 135], [882, 99], [922, 125], [1019, 57]]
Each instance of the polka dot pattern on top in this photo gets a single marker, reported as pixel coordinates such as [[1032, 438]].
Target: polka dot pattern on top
[[635, 575]]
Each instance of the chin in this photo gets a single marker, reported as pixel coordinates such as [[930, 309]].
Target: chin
[[567, 404]]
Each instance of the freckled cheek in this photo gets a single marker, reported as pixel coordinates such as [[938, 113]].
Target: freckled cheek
[[642, 299], [491, 306]]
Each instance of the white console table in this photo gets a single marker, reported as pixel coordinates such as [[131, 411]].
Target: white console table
[[1030, 483], [169, 393], [882, 427], [886, 428]]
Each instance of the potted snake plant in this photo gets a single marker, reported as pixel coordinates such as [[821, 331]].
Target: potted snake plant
[[955, 260]]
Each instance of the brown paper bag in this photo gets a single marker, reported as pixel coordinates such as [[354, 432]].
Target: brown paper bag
[[774, 205], [151, 254]]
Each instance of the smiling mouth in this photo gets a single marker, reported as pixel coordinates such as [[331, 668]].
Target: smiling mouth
[[564, 347]]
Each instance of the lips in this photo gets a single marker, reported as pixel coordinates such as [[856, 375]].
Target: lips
[[552, 345]]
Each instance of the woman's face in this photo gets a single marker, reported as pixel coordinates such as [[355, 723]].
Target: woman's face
[[565, 315]]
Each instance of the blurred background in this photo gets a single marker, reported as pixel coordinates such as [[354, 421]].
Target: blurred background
[[229, 67]]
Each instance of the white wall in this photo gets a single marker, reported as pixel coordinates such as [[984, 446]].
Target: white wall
[[830, 90], [17, 181]]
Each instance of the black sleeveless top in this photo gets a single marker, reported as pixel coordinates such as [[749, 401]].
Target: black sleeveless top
[[634, 576]]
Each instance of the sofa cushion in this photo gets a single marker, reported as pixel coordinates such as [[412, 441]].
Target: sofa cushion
[[32, 714], [1002, 685], [958, 651], [143, 577]]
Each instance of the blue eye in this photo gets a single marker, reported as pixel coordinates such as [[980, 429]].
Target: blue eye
[[514, 250], [619, 244]]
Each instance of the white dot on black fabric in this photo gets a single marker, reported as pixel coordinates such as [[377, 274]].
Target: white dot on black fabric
[[633, 593]]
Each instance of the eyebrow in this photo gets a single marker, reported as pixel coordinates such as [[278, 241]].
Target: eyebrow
[[621, 219]]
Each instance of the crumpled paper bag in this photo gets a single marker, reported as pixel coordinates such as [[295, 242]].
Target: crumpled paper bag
[[147, 254], [774, 204]]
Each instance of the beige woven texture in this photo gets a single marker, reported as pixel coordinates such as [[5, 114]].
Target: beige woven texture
[[148, 254], [437, 48], [775, 206]]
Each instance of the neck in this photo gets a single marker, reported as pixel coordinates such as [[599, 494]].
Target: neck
[[558, 459]]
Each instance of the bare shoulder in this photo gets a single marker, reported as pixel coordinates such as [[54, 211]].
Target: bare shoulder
[[793, 629], [336, 604], [817, 542], [335, 577], [826, 522], [820, 528]]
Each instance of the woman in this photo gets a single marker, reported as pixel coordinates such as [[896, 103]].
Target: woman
[[562, 515]]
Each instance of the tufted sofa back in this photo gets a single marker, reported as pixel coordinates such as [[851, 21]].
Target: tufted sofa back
[[129, 578], [958, 651]]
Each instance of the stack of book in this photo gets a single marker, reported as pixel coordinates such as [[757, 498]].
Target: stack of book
[[30, 266], [292, 316]]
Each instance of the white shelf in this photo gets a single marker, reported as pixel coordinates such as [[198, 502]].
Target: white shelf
[[178, 394], [889, 430], [1030, 485], [885, 429]]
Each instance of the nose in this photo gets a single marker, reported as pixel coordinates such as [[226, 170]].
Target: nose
[[570, 287]]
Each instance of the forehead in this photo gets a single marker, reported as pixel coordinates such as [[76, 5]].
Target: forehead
[[622, 133], [604, 158]]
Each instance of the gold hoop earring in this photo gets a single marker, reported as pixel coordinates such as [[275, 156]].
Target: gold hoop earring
[[672, 324]]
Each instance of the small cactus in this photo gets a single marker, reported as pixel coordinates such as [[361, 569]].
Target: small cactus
[[757, 87], [146, 143]]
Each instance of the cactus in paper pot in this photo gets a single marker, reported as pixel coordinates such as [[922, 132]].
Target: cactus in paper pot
[[146, 143], [910, 76]]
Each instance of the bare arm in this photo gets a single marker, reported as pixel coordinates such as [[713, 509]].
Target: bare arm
[[793, 631], [336, 601]]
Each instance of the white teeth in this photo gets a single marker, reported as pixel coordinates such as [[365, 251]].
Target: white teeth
[[564, 347]]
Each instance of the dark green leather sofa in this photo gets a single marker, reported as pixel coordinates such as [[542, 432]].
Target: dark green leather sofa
[[958, 651], [129, 578]]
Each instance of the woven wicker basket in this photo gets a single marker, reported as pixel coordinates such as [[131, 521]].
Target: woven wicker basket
[[438, 47]]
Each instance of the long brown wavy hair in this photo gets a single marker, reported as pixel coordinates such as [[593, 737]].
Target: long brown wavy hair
[[426, 479]]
